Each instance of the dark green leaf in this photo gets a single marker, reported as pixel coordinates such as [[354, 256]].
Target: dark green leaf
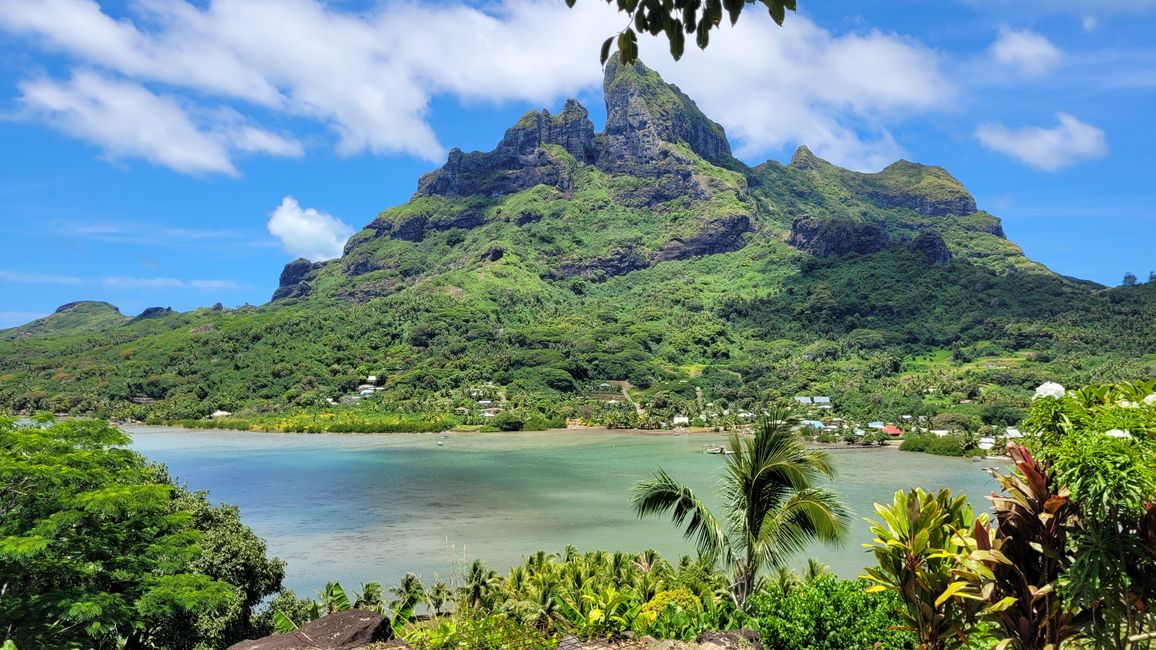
[[605, 54]]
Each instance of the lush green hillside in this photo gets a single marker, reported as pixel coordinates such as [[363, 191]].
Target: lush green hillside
[[643, 254]]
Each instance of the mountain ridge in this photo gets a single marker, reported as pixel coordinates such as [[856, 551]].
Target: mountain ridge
[[644, 253]]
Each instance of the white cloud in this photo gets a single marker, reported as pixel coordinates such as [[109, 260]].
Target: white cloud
[[121, 282], [1090, 23], [1026, 51], [169, 283], [800, 84], [370, 76], [1048, 149], [125, 119], [308, 233], [38, 278]]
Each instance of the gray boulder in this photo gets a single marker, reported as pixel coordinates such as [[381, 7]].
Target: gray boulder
[[346, 630]]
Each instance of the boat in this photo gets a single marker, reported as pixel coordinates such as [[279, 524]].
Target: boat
[[441, 443], [716, 449]]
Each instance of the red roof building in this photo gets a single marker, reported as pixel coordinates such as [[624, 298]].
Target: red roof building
[[892, 430]]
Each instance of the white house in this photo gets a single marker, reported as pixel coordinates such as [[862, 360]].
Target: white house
[[986, 443], [803, 400], [1012, 433], [371, 379], [875, 425], [681, 420], [220, 414]]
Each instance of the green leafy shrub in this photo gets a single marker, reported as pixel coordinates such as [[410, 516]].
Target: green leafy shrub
[[828, 614]]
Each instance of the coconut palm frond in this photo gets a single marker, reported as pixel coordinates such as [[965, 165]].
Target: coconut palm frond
[[662, 494]]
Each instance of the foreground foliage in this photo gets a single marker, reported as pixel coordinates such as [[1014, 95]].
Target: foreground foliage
[[774, 505], [98, 549], [1072, 561]]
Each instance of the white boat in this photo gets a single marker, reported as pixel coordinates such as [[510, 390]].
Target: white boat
[[716, 449]]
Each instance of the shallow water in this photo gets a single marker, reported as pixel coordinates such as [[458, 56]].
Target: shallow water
[[367, 507]]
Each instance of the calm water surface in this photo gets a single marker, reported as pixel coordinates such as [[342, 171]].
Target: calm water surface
[[367, 507]]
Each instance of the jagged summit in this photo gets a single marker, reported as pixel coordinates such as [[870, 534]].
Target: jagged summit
[[643, 111], [646, 120]]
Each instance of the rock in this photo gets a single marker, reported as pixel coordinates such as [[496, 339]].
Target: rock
[[346, 630], [932, 247], [154, 312], [836, 237], [294, 279], [617, 262], [520, 161], [721, 235], [643, 112], [738, 640]]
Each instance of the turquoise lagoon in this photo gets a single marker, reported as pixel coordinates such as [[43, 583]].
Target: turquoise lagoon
[[364, 507]]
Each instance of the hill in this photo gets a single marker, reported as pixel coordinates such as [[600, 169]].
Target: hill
[[643, 256]]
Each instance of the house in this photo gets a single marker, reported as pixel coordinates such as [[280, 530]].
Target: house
[[822, 401], [814, 424], [1012, 433], [892, 430], [371, 379], [940, 432], [490, 412], [681, 420], [803, 400], [365, 387], [366, 393], [220, 414], [875, 425], [986, 443], [485, 402]]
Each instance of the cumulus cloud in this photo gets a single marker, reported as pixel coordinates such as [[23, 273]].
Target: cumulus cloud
[[308, 233], [369, 76], [1048, 149], [800, 84], [1026, 51], [125, 119]]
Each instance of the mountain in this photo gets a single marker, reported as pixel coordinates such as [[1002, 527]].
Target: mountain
[[84, 317], [646, 254]]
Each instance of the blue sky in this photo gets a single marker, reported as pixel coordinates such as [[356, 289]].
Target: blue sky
[[178, 153]]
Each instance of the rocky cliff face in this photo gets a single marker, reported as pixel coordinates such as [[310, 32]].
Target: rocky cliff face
[[835, 237], [643, 113], [294, 281], [932, 247]]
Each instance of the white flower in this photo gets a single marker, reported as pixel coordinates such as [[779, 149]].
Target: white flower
[[1050, 389], [1150, 400], [1117, 433], [1123, 403]]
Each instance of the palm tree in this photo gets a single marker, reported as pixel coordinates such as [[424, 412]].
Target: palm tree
[[408, 595], [439, 596], [773, 506]]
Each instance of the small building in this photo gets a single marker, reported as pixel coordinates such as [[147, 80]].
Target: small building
[[892, 430], [1012, 433], [986, 443], [371, 379], [681, 420], [802, 399], [814, 424], [366, 392], [822, 401], [940, 432], [875, 425], [485, 402], [220, 414]]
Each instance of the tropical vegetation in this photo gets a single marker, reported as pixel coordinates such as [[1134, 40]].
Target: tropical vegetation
[[775, 506]]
